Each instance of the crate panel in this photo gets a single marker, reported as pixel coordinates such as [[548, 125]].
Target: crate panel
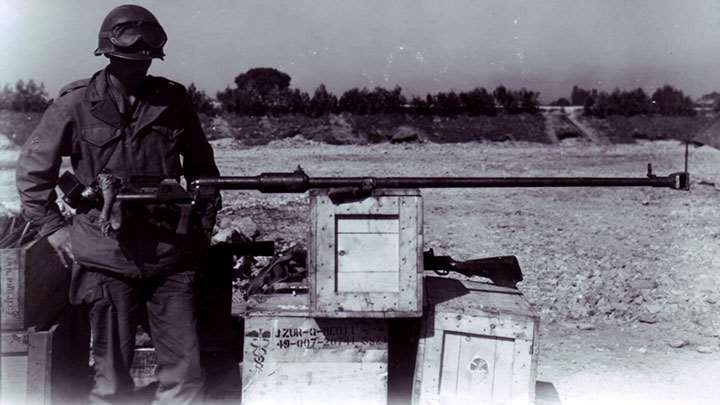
[[477, 345], [361, 252], [367, 224], [12, 289], [387, 281], [476, 367], [32, 274], [13, 386], [382, 234], [307, 361]]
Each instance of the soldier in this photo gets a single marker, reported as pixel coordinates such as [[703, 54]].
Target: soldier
[[124, 122]]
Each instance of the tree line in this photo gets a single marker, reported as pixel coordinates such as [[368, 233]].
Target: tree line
[[263, 91], [267, 91], [665, 100], [24, 97]]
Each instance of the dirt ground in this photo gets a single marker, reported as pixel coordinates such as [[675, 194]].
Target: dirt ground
[[617, 275]]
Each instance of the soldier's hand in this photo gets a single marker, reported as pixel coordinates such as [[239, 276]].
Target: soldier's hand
[[60, 241]]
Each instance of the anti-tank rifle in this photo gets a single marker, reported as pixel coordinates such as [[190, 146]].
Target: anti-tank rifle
[[358, 187], [502, 271]]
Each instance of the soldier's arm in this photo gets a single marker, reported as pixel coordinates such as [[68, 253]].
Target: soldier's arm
[[199, 161], [38, 166]]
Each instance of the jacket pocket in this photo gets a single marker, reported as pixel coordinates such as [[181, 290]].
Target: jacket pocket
[[99, 136]]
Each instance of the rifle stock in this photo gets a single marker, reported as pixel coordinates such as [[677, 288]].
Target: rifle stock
[[503, 271]]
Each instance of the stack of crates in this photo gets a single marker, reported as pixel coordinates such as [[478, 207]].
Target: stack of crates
[[41, 361], [365, 273], [331, 345]]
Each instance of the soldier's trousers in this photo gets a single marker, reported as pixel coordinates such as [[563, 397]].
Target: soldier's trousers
[[118, 304]]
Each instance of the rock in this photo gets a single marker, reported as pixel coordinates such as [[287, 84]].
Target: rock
[[710, 301], [219, 127], [585, 326], [405, 134], [227, 235], [678, 343], [704, 349], [647, 318], [246, 226], [643, 284]]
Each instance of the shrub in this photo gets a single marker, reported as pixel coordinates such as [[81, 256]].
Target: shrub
[[26, 97]]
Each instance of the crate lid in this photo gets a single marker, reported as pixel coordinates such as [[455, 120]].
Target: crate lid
[[279, 304], [466, 297], [378, 192]]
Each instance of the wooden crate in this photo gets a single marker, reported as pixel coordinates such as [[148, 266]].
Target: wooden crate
[[365, 258], [45, 367], [31, 274], [304, 360], [477, 345]]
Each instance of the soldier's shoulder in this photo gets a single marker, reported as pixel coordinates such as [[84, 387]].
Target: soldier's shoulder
[[73, 87], [165, 85]]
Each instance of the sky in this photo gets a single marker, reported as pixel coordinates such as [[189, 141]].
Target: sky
[[421, 45]]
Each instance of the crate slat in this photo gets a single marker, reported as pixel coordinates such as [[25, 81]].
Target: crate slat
[[32, 274], [365, 257], [476, 345], [303, 360]]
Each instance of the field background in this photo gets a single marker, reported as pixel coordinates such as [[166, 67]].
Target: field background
[[617, 275]]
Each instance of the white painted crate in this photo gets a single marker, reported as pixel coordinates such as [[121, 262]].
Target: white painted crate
[[302, 360], [365, 257], [41, 367], [477, 345], [33, 287]]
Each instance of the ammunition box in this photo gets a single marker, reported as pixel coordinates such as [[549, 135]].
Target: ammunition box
[[477, 345], [365, 257]]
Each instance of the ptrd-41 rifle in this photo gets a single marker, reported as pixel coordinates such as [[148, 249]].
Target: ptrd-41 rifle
[[105, 191]]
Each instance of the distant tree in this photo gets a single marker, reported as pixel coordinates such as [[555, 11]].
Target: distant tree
[[671, 101], [529, 100], [579, 96], [710, 99], [517, 101], [200, 100], [355, 101], [561, 102], [478, 102], [419, 105], [381, 100], [323, 102], [263, 80], [447, 104], [6, 97], [25, 97]]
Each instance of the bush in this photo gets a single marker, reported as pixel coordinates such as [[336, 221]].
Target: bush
[[664, 101], [202, 103], [323, 102], [517, 101], [26, 97], [670, 101]]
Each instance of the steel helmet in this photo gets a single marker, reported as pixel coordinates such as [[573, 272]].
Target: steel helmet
[[131, 32]]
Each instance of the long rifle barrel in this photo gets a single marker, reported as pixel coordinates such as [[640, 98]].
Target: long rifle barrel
[[299, 182]]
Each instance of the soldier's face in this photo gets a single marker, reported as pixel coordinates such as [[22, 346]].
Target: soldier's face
[[134, 70]]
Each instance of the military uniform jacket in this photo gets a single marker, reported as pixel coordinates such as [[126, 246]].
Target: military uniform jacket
[[85, 124]]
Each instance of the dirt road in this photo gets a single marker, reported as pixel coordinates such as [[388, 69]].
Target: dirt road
[[616, 274]]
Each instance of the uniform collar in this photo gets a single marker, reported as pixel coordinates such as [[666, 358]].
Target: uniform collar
[[151, 104]]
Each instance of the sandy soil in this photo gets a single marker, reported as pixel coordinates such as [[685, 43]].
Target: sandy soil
[[616, 274]]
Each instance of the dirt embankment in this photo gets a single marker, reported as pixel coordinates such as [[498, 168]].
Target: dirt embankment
[[368, 129], [342, 129]]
